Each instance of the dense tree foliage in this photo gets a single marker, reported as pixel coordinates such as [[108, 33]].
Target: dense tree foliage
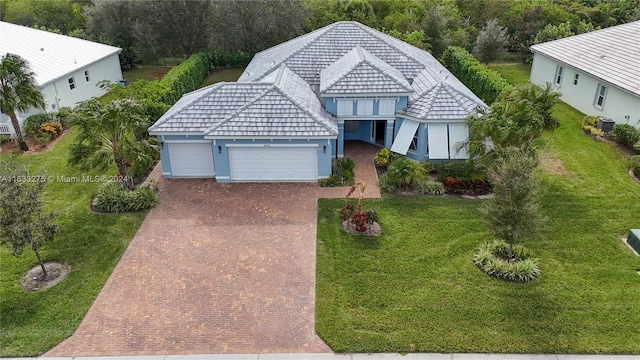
[[159, 29], [491, 42]]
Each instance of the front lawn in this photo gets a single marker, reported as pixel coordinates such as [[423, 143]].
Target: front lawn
[[416, 289], [90, 243]]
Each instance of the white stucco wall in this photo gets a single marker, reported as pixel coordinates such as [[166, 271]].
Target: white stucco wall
[[58, 93], [618, 103]]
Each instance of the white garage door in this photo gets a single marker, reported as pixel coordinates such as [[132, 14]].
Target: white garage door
[[191, 159], [273, 163]]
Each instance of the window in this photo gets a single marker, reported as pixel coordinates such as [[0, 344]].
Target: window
[[601, 94], [386, 107], [86, 75], [558, 79], [72, 83], [575, 79], [413, 147], [345, 107], [365, 107]]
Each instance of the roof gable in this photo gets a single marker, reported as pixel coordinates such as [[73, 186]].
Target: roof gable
[[611, 54], [51, 55], [359, 71], [442, 101]]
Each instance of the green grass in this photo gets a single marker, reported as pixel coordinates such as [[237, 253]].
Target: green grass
[[513, 73], [90, 243], [219, 75], [415, 288], [145, 72]]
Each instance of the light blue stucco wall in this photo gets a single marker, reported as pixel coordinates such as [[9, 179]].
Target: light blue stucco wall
[[221, 157]]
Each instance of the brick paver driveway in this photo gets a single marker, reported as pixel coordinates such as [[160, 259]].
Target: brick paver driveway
[[214, 268]]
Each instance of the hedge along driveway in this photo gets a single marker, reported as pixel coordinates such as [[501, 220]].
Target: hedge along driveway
[[415, 288]]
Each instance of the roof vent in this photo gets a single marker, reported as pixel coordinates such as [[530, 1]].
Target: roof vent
[[41, 49], [602, 56]]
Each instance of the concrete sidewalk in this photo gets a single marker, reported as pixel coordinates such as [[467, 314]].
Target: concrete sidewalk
[[332, 356]]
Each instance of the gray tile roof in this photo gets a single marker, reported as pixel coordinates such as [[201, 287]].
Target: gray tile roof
[[309, 54], [281, 104], [289, 108], [611, 54], [360, 72], [441, 102]]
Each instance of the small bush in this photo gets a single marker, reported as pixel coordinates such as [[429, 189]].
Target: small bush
[[592, 130], [384, 157], [636, 147], [330, 181], [492, 259], [635, 165], [112, 197], [345, 167], [405, 172], [626, 134], [428, 166], [467, 187], [42, 138], [386, 183], [361, 221], [431, 188], [459, 169], [372, 214], [32, 124], [590, 120], [54, 128]]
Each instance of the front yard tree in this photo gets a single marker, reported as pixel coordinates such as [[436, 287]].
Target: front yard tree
[[491, 42], [513, 213], [18, 91], [107, 137], [23, 221]]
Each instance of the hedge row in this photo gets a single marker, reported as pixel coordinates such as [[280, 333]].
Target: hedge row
[[484, 82]]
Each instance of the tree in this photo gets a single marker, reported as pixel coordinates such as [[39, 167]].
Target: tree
[[64, 15], [23, 221], [439, 24], [513, 213], [112, 22], [516, 119], [491, 42], [109, 134], [527, 25], [553, 32], [18, 91]]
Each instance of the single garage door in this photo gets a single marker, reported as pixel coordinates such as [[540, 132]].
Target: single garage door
[[273, 163], [191, 159]]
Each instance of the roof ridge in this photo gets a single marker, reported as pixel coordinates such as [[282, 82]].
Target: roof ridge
[[386, 74], [304, 108], [347, 70], [450, 88], [211, 87], [385, 38]]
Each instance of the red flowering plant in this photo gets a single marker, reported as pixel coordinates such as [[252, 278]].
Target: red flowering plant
[[347, 211], [361, 220]]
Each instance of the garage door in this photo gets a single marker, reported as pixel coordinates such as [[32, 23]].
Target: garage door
[[273, 163], [191, 159]]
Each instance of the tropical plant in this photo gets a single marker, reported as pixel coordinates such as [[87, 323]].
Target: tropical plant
[[519, 117], [405, 172], [109, 134], [626, 134], [18, 91], [23, 221], [635, 165], [112, 197], [431, 188], [492, 258], [384, 157]]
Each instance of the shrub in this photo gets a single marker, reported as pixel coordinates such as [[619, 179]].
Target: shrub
[[405, 172], [635, 165], [428, 166], [33, 122], [592, 130], [386, 183], [466, 187], [112, 197], [459, 169], [373, 215], [480, 79], [636, 147], [329, 181], [492, 259], [626, 134], [42, 138], [590, 120], [361, 221], [345, 168], [384, 157], [431, 188], [54, 128]]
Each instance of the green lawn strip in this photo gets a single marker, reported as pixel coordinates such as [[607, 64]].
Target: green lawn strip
[[90, 243], [415, 288], [218, 75], [513, 73], [145, 72]]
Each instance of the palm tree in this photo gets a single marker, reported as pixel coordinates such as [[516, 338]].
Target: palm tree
[[110, 134], [517, 119], [18, 91]]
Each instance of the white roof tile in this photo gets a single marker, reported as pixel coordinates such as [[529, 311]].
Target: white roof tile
[[50, 55], [358, 72], [611, 54], [441, 102]]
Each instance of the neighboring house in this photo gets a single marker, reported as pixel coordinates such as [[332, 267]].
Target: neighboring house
[[292, 109], [597, 73], [66, 69]]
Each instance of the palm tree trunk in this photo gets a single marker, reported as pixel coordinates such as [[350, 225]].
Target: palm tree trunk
[[44, 270], [16, 129]]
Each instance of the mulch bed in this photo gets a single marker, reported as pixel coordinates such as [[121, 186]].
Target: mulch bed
[[33, 280], [372, 230]]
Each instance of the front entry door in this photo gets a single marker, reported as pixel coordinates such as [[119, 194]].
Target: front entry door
[[378, 130]]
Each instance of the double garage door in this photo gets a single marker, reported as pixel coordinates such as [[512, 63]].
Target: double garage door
[[273, 163], [247, 163]]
